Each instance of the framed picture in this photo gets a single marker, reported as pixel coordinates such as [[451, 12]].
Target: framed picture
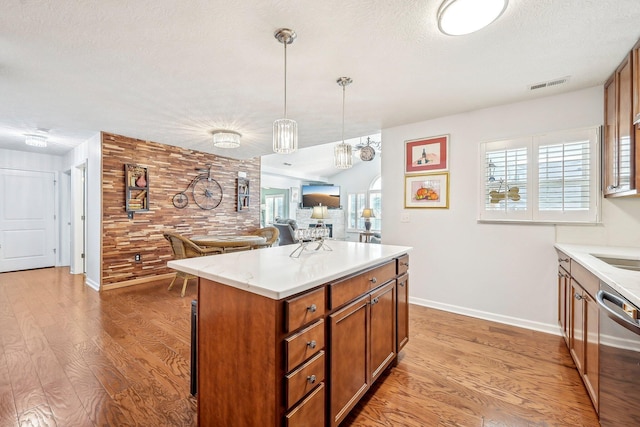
[[427, 154], [295, 194], [427, 191]]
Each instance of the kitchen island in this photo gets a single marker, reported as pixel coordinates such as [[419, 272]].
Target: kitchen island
[[296, 341]]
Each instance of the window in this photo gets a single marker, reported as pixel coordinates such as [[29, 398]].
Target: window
[[356, 202], [544, 178], [274, 207]]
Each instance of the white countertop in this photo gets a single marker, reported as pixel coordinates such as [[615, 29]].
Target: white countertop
[[626, 282], [271, 272]]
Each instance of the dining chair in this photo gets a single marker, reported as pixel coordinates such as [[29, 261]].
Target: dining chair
[[183, 248], [271, 235]]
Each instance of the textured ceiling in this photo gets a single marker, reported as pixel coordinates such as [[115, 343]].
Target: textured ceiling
[[172, 71]]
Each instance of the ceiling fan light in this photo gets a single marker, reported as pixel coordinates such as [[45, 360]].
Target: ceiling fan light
[[36, 140], [342, 156], [459, 17], [226, 139]]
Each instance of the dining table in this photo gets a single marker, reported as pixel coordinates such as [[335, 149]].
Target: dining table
[[229, 243]]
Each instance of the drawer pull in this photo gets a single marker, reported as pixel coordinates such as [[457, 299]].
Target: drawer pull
[[563, 259], [311, 379], [373, 280], [311, 344], [406, 264], [312, 308], [578, 296]]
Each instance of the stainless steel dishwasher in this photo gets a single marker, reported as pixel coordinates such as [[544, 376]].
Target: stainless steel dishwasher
[[619, 359]]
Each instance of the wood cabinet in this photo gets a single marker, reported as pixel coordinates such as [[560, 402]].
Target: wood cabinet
[[304, 360], [243, 194], [621, 153], [578, 315], [402, 302], [136, 189]]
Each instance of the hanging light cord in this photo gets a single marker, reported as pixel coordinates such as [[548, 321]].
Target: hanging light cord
[[285, 41], [344, 87]]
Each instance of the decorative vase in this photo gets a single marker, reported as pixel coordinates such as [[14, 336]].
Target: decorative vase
[[141, 181]]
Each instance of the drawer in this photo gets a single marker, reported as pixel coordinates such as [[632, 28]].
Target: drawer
[[304, 309], [587, 280], [403, 265], [310, 412], [304, 379], [564, 261], [349, 289], [304, 344]]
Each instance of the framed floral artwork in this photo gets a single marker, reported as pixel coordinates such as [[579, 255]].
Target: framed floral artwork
[[427, 191], [427, 154]]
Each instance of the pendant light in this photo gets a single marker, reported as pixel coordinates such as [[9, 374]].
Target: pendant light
[[285, 131], [342, 151]]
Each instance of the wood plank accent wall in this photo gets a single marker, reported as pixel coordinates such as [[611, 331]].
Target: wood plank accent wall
[[171, 169]]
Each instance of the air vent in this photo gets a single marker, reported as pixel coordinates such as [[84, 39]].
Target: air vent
[[550, 83]]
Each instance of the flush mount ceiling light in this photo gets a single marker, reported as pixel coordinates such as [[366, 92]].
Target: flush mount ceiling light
[[458, 17], [36, 140], [226, 139], [285, 131], [342, 152]]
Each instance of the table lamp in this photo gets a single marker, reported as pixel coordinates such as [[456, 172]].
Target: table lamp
[[320, 212], [367, 214]]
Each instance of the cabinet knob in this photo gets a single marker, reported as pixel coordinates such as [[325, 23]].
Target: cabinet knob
[[406, 264], [578, 296], [312, 308], [375, 301], [311, 379], [311, 344], [373, 280], [401, 284]]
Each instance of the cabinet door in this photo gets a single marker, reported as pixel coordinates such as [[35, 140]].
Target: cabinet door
[[626, 149], [591, 357], [383, 328], [349, 331], [403, 311], [564, 289], [576, 336], [610, 138]]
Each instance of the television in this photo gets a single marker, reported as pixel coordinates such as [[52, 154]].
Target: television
[[328, 195]]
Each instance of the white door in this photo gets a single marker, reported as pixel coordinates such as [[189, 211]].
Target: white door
[[27, 220]]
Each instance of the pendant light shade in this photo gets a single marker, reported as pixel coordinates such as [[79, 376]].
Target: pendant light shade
[[226, 139], [285, 131], [342, 153]]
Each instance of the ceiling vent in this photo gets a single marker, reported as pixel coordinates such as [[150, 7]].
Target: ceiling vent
[[550, 83]]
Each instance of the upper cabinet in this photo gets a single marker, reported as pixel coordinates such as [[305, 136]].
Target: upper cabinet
[[621, 153]]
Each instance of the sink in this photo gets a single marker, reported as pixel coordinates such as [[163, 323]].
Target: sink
[[624, 263]]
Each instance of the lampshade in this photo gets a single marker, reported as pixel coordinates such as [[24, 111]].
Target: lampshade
[[226, 139], [285, 131], [320, 212], [36, 140], [368, 213], [458, 17], [342, 157]]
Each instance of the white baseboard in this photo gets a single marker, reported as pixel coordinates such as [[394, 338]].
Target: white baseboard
[[553, 329], [93, 285]]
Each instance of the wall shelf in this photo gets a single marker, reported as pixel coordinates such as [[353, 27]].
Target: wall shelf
[[136, 189], [243, 194]]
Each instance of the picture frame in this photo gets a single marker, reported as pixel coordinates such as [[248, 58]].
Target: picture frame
[[427, 154], [427, 191], [295, 194]]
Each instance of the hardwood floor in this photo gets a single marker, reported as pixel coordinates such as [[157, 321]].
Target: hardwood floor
[[70, 356]]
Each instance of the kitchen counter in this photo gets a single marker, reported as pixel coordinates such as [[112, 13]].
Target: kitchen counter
[[626, 282], [272, 273]]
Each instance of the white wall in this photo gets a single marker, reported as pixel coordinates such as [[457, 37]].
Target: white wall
[[94, 212], [495, 271]]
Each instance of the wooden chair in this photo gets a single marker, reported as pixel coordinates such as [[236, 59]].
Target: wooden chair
[[185, 248], [271, 234]]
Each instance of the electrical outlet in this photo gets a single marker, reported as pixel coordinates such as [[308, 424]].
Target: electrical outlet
[[138, 258]]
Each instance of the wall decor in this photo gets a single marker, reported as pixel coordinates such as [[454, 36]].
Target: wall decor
[[136, 189], [427, 191], [206, 191], [427, 154], [295, 194]]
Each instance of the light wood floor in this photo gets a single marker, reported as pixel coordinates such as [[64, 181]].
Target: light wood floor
[[70, 356]]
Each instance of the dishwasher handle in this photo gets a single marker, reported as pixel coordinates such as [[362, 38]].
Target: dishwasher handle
[[621, 318]]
